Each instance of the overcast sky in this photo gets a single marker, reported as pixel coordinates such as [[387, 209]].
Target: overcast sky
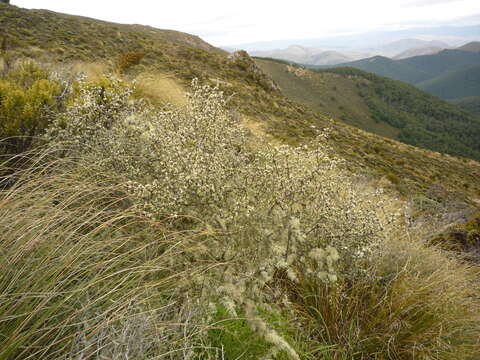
[[223, 22]]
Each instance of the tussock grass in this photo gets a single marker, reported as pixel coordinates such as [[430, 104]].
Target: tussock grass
[[82, 275], [414, 303]]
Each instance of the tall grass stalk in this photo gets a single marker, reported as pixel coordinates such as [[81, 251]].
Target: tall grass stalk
[[81, 274]]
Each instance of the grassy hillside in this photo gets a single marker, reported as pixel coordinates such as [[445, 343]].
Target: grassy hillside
[[183, 207], [256, 99], [454, 84], [62, 37], [382, 106]]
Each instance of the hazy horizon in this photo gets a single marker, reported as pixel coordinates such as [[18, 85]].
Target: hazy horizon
[[222, 24]]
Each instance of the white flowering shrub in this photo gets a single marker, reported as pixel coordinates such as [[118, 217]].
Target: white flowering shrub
[[279, 210]]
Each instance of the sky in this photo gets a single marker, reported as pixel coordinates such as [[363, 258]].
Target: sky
[[223, 22]]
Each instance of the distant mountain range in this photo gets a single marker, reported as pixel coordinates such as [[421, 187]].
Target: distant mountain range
[[417, 51], [372, 41], [450, 74], [304, 55], [401, 46], [314, 56]]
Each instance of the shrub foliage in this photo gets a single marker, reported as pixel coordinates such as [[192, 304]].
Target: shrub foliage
[[29, 100], [168, 225]]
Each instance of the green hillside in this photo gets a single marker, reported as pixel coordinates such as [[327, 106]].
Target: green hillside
[[454, 84], [444, 61], [395, 69], [448, 74], [416, 69], [471, 104], [162, 199], [62, 37], [382, 106]]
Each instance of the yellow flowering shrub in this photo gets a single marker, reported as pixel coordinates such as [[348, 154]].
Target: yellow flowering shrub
[[28, 102]]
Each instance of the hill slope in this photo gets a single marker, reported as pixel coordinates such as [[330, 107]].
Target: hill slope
[[454, 84], [418, 68], [473, 46], [471, 104], [395, 69], [63, 37], [170, 65], [383, 106]]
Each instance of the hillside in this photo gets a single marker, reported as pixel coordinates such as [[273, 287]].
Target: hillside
[[417, 51], [454, 84], [416, 69], [382, 106], [471, 104], [394, 69], [62, 37], [166, 200], [473, 46], [166, 76]]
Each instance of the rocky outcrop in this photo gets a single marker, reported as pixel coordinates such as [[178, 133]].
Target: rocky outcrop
[[244, 61]]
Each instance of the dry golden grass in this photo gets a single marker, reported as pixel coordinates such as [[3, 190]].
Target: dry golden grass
[[160, 89], [413, 303]]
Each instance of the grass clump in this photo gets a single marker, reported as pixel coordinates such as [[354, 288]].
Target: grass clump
[[414, 303], [462, 238], [82, 275]]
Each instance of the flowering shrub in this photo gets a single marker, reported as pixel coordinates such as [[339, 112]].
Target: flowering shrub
[[279, 210], [29, 99]]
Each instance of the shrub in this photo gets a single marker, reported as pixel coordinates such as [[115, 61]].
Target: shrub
[[129, 59], [195, 162], [277, 228], [28, 102]]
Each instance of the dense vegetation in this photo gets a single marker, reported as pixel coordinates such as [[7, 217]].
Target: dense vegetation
[[454, 85], [231, 223], [29, 98], [114, 248], [383, 106], [423, 120], [449, 74], [471, 104]]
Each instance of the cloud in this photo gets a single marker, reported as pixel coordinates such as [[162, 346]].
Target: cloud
[[421, 3]]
